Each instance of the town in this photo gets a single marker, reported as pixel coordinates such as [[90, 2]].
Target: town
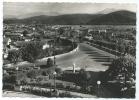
[[69, 60], [69, 50]]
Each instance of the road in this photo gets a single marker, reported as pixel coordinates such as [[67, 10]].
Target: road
[[84, 56]]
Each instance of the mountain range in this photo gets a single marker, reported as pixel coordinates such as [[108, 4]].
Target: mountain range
[[121, 17]]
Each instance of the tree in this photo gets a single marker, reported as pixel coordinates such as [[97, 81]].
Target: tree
[[122, 65], [84, 77], [32, 74], [72, 36], [31, 51], [44, 73], [23, 81], [58, 70], [9, 79], [25, 32], [82, 70], [13, 56], [60, 31], [122, 70], [50, 62]]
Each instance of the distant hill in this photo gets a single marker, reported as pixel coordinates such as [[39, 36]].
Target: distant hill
[[117, 17], [72, 19]]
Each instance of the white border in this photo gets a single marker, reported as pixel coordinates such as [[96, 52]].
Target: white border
[[83, 1], [70, 1]]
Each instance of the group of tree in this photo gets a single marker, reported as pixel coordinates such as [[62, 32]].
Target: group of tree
[[25, 33], [14, 56], [123, 66], [85, 77], [50, 62], [28, 52], [122, 71], [9, 79], [118, 41], [31, 51], [32, 74]]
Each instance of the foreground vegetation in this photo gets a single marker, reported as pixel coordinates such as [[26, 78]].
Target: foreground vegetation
[[119, 79]]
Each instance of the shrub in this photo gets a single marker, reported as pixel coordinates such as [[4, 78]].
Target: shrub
[[44, 73], [58, 70], [32, 74], [65, 94], [8, 86]]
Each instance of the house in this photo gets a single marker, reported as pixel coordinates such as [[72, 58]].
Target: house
[[5, 55], [88, 37], [102, 31], [93, 31], [46, 46], [19, 44], [13, 36], [42, 78], [6, 45], [27, 39], [7, 41]]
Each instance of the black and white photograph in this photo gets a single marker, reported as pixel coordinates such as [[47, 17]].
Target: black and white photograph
[[69, 50]]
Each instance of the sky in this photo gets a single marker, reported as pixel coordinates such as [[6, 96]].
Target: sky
[[24, 10]]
